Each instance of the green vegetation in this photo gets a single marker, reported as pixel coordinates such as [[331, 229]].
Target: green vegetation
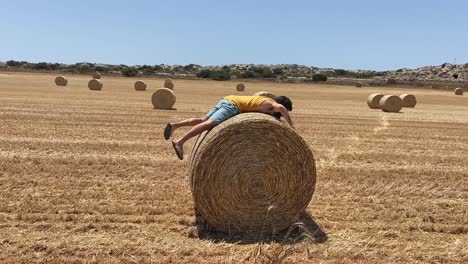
[[218, 75], [318, 77], [130, 72]]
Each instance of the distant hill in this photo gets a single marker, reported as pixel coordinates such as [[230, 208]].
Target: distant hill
[[452, 74]]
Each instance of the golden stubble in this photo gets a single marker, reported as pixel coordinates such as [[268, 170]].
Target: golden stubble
[[86, 176]]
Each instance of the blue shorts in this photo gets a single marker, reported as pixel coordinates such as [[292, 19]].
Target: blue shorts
[[222, 111]]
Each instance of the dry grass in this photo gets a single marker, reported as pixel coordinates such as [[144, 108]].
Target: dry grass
[[163, 98], [140, 85], [97, 75], [391, 103], [239, 182], [87, 177], [61, 81], [95, 84], [459, 91], [240, 87]]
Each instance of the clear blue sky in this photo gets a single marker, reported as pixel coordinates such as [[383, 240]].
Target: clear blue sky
[[359, 34]]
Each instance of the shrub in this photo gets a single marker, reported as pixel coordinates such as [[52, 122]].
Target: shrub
[[13, 63], [247, 75], [391, 82], [263, 72], [100, 69], [278, 71], [220, 75], [204, 74], [341, 72], [129, 72], [319, 77]]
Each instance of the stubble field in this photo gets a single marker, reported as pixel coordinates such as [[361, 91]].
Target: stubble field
[[86, 176]]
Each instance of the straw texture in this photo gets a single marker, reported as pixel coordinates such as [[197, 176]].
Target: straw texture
[[391, 103], [240, 87], [251, 172], [459, 91], [169, 84], [140, 85], [61, 81], [163, 98], [373, 100], [97, 75], [265, 93], [408, 100], [95, 84]]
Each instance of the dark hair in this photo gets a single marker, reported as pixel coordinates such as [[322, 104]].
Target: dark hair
[[284, 101]]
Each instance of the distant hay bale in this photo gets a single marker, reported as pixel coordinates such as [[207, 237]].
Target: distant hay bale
[[373, 100], [169, 84], [140, 85], [240, 87], [95, 84], [459, 91], [359, 84], [408, 100], [238, 180], [391, 103], [265, 93], [163, 98], [97, 75], [61, 81]]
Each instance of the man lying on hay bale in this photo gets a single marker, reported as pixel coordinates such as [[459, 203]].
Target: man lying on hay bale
[[226, 108]]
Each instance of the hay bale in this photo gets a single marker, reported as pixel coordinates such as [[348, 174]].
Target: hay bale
[[459, 91], [264, 93], [169, 84], [391, 103], [373, 100], [163, 98], [95, 84], [250, 173], [140, 85], [61, 81], [240, 87], [97, 75], [359, 84], [408, 100]]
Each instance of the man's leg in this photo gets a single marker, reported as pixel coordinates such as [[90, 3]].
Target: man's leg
[[188, 122], [206, 125]]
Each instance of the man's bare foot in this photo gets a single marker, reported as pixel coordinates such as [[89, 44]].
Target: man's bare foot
[[178, 149]]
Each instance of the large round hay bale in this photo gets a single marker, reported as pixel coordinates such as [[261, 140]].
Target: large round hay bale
[[163, 98], [61, 81], [250, 173], [240, 87], [459, 91], [390, 103], [265, 93], [373, 100], [408, 100], [97, 75], [140, 85], [169, 84], [95, 84], [359, 84]]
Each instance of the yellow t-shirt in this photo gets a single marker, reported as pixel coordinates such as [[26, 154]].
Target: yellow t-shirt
[[247, 103]]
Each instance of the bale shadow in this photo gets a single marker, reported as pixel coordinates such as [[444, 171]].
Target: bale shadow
[[304, 230]]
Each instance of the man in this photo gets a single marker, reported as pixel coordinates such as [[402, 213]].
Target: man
[[226, 108]]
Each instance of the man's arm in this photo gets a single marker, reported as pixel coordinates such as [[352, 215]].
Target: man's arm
[[284, 112]]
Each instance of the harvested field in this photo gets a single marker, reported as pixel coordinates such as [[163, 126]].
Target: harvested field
[[88, 177]]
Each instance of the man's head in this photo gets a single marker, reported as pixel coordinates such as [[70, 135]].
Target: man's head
[[284, 101]]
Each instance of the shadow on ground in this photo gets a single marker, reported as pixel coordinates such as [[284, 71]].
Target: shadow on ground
[[304, 230]]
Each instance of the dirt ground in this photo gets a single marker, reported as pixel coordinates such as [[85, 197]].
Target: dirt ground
[[85, 176]]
